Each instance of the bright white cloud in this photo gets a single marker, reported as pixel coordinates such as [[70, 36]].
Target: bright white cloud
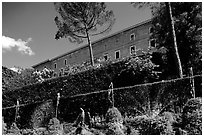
[[22, 46]]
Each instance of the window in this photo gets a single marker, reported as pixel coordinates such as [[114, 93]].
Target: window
[[117, 54], [132, 50], [65, 62], [105, 56], [132, 36], [55, 65], [152, 43], [150, 30], [45, 66], [55, 74]]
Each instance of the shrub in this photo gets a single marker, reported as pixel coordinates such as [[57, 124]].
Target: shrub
[[114, 122], [113, 115], [192, 116], [42, 115], [54, 127], [147, 125], [14, 130], [115, 129], [4, 129]]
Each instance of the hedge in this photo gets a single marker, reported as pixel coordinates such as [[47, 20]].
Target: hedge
[[93, 79], [136, 99]]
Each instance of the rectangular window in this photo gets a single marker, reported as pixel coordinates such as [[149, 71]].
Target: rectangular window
[[132, 50], [55, 65], [117, 54], [132, 36], [152, 43], [105, 56], [65, 62]]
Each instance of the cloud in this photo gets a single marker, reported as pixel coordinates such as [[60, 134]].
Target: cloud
[[22, 46]]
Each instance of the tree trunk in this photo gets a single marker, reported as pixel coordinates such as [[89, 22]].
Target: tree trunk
[[90, 49], [177, 58]]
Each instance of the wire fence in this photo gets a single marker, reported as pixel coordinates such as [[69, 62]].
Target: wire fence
[[115, 89], [137, 99]]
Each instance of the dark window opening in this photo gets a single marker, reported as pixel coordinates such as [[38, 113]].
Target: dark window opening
[[132, 37], [117, 54], [55, 65], [65, 62], [106, 56], [153, 43], [132, 49]]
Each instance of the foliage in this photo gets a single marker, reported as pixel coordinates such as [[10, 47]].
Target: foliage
[[80, 20], [54, 127], [7, 75], [139, 98], [42, 115], [114, 122], [192, 116], [113, 115], [4, 128], [150, 125], [14, 130], [12, 80], [187, 18], [115, 129], [40, 76]]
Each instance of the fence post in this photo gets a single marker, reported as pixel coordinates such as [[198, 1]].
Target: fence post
[[111, 94], [192, 82], [17, 109], [58, 98]]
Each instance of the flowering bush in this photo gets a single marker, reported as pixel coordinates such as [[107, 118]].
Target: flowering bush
[[40, 76]]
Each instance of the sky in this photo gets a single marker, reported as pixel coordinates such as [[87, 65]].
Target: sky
[[28, 31]]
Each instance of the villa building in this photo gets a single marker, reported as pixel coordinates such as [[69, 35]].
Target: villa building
[[121, 44]]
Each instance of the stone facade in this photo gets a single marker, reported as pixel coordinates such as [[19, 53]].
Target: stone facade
[[118, 45]]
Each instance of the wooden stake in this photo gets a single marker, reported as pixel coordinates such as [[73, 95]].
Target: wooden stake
[[58, 98], [111, 93], [17, 109], [192, 82]]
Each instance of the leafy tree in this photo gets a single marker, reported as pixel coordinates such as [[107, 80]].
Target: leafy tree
[[80, 20], [187, 23]]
